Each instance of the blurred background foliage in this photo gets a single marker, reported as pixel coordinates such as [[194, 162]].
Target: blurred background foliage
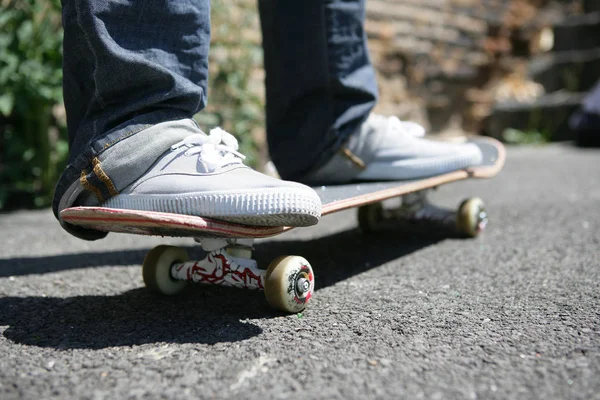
[[33, 146], [33, 137]]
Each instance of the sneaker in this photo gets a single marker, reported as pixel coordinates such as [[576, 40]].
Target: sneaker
[[386, 148], [203, 175]]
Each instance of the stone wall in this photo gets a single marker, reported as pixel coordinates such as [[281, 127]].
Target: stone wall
[[444, 63]]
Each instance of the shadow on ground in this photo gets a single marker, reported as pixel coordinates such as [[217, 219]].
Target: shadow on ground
[[335, 257], [42, 265], [133, 318], [211, 315], [342, 255]]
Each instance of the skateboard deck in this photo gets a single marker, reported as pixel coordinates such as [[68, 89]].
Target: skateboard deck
[[334, 198]]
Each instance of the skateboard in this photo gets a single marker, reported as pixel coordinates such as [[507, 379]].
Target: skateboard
[[288, 281]]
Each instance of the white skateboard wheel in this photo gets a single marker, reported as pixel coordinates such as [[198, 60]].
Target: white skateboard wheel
[[471, 217], [289, 283], [156, 269]]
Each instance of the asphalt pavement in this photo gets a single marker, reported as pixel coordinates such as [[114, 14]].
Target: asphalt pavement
[[513, 314]]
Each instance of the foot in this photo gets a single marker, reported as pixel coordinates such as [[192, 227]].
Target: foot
[[386, 148], [203, 175]]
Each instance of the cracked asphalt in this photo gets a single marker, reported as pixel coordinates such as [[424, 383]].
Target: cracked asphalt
[[513, 314]]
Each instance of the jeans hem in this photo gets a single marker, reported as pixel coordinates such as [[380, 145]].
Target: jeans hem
[[67, 191]]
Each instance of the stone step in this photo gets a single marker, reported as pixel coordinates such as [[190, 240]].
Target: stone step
[[378, 10], [591, 5], [548, 115], [577, 32], [576, 70]]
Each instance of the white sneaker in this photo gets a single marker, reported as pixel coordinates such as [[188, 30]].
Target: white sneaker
[[386, 148], [203, 175]]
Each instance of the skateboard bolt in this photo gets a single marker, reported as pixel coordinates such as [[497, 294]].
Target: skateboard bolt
[[302, 285], [482, 216], [482, 220]]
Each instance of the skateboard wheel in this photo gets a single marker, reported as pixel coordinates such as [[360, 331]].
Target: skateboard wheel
[[289, 283], [471, 218], [157, 269], [370, 216]]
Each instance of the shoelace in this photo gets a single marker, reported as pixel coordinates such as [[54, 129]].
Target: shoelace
[[215, 150], [412, 128], [403, 127]]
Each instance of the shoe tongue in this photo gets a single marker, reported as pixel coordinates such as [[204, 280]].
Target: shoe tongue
[[389, 133], [209, 152], [406, 127], [414, 129], [208, 160]]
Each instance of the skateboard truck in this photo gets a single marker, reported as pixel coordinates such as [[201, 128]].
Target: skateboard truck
[[470, 219], [235, 247], [288, 282]]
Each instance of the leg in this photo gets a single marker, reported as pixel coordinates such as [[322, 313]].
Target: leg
[[321, 88], [129, 61], [134, 75], [320, 83], [128, 66], [585, 122]]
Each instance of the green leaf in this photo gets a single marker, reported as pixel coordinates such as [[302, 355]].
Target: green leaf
[[28, 155], [25, 33], [9, 64], [7, 103], [6, 16]]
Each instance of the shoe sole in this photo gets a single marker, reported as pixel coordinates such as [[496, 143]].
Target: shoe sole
[[267, 207]]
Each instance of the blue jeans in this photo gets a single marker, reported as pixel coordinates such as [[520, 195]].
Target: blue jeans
[[585, 122], [130, 65]]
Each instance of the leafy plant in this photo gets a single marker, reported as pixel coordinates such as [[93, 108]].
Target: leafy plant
[[515, 136], [33, 148]]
